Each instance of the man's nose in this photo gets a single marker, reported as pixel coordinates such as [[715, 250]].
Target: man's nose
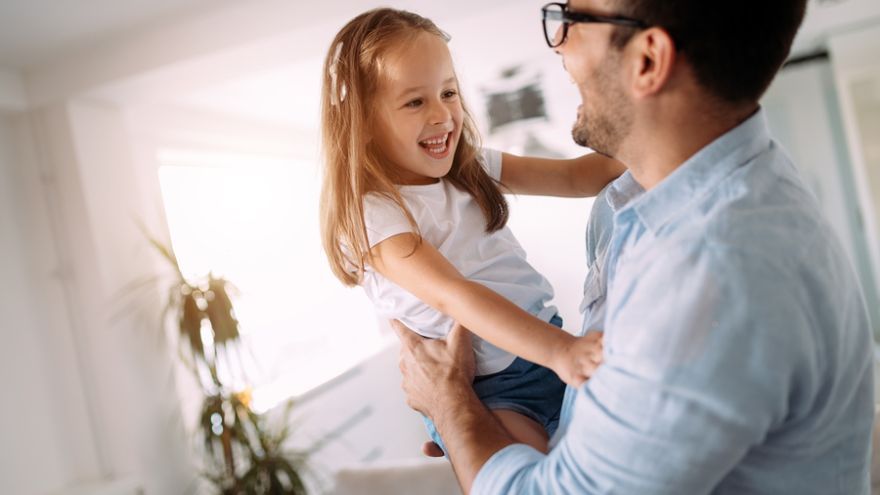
[[558, 48], [559, 35]]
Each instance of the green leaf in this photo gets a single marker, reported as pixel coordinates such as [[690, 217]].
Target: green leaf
[[191, 324], [220, 313]]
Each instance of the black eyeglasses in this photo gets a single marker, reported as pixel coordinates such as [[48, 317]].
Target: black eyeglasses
[[556, 16]]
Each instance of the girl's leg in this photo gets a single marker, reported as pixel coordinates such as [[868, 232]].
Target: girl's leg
[[523, 429]]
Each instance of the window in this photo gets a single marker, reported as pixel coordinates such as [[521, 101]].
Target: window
[[254, 220]]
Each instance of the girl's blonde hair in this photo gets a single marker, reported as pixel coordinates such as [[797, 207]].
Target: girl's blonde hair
[[353, 164]]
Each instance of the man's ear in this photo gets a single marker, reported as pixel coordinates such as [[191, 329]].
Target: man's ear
[[655, 55]]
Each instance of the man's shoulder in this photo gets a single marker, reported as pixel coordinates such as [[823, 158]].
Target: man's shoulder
[[761, 211], [745, 241]]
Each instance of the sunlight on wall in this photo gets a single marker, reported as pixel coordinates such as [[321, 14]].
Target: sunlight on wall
[[253, 219]]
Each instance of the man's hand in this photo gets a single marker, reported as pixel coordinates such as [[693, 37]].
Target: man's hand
[[577, 361], [438, 380], [434, 370]]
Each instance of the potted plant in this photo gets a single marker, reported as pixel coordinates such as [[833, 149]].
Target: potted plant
[[243, 454]]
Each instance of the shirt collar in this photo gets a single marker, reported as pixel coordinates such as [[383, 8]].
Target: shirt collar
[[622, 191], [695, 177]]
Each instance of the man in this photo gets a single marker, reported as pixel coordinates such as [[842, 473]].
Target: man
[[738, 355]]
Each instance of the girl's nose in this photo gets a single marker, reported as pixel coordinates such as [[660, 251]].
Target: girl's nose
[[439, 114]]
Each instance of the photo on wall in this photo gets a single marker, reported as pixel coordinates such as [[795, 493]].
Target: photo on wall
[[528, 109]]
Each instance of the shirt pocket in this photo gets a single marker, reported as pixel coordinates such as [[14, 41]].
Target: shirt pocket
[[594, 289]]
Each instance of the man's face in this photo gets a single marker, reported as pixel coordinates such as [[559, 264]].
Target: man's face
[[605, 115]]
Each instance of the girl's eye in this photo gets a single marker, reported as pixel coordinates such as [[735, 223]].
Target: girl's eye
[[414, 103], [451, 93]]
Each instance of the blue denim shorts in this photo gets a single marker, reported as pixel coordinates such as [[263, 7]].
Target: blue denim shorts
[[523, 387]]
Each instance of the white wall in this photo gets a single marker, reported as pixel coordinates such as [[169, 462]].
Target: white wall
[[12, 92], [827, 18], [364, 416], [48, 442], [857, 77], [804, 116], [135, 397], [88, 368]]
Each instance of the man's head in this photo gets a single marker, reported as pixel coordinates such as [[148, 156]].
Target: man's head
[[734, 47], [720, 55]]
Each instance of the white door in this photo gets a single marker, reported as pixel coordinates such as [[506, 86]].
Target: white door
[[804, 116]]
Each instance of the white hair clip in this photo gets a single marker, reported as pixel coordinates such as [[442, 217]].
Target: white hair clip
[[337, 94]]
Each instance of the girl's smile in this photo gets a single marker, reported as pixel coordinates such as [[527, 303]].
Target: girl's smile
[[437, 147]]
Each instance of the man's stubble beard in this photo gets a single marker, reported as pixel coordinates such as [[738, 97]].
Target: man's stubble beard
[[606, 120]]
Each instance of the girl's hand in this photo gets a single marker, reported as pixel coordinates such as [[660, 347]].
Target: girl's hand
[[577, 361]]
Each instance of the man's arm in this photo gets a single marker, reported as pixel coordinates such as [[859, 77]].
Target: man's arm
[[437, 377], [702, 356], [700, 361]]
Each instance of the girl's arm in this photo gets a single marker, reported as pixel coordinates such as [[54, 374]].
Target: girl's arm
[[574, 178], [428, 275]]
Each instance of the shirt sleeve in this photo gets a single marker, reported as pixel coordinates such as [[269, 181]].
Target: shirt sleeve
[[491, 161], [383, 219], [701, 354]]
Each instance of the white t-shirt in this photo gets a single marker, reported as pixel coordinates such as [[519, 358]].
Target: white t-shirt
[[452, 222]]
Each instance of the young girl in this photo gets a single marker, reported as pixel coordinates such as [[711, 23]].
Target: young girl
[[412, 211]]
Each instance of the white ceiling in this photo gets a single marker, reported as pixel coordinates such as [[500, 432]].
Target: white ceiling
[[36, 31], [255, 58], [289, 94], [283, 89]]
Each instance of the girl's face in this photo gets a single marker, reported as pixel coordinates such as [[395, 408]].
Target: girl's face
[[418, 110]]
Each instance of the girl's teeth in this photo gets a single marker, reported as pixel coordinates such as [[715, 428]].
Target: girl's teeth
[[436, 145]]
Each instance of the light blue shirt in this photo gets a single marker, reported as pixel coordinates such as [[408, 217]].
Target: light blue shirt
[[598, 237], [738, 354]]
